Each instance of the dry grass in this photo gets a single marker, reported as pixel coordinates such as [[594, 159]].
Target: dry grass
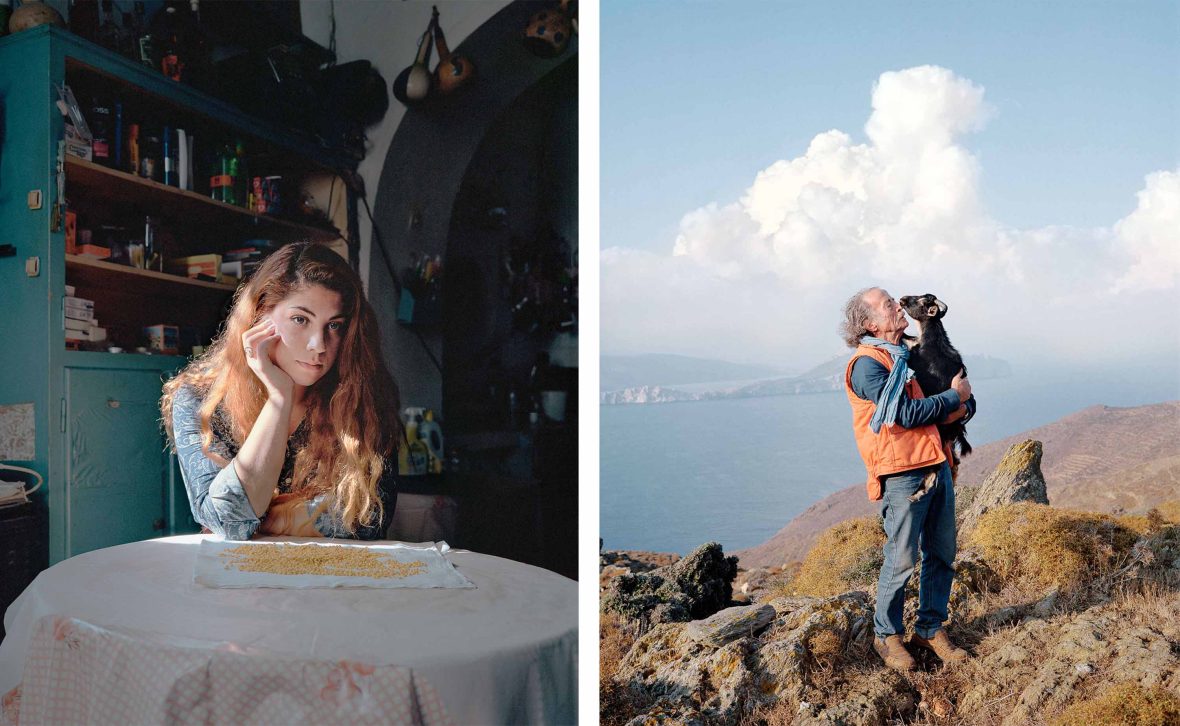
[[825, 649], [1154, 519], [1170, 511], [1125, 703], [1037, 545], [617, 703], [615, 638], [845, 557]]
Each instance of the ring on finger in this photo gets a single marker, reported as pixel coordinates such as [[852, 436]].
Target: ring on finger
[[249, 350]]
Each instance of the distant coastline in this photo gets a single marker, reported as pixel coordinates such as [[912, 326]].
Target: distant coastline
[[826, 377]]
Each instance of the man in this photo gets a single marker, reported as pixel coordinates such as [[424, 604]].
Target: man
[[896, 432]]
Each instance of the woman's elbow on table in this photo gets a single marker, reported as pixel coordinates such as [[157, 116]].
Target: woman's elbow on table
[[234, 531]]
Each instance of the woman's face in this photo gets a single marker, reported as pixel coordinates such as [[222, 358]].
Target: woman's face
[[311, 325]]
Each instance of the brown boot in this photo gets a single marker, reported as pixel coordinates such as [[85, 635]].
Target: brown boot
[[942, 646], [892, 651]]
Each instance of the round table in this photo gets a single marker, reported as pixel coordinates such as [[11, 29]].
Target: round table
[[504, 652]]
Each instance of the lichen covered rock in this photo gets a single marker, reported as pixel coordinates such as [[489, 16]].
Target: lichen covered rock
[[692, 588], [696, 678], [1018, 478], [730, 624]]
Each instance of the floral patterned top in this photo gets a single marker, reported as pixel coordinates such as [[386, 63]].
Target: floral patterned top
[[216, 495]]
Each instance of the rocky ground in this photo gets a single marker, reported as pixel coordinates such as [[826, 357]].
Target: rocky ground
[[1056, 607]]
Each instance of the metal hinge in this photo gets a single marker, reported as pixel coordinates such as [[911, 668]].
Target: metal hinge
[[62, 418]]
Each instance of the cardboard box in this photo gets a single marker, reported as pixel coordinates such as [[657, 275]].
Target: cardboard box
[[98, 252], [71, 233], [194, 265], [77, 145]]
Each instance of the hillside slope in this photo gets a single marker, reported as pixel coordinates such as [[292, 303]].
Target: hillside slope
[[1100, 459]]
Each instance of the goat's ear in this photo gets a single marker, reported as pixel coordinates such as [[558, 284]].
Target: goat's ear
[[941, 307]]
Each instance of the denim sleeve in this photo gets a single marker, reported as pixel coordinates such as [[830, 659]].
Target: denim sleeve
[[329, 523], [216, 495], [868, 380]]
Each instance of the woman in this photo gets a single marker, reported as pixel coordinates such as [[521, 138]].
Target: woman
[[287, 424]]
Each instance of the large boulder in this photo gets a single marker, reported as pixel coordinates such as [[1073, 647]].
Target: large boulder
[[1018, 478], [1046, 662], [690, 589], [880, 698], [730, 624], [690, 678], [614, 563]]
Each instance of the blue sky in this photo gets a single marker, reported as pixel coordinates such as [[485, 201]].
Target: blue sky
[[698, 96], [1082, 102]]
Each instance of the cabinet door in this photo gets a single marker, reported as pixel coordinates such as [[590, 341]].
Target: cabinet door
[[116, 462]]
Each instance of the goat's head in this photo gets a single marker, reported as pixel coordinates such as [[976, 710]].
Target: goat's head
[[923, 307]]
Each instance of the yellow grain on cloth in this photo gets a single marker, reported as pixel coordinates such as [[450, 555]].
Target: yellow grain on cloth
[[301, 564]]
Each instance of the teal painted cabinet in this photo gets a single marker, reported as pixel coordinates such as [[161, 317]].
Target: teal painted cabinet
[[97, 435], [116, 469]]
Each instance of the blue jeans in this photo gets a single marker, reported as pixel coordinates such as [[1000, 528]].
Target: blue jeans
[[929, 524]]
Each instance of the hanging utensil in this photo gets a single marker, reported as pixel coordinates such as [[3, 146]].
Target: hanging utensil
[[453, 71], [548, 32], [413, 84]]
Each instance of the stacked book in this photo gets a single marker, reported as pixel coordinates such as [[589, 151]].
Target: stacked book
[[80, 324], [199, 267], [237, 264]]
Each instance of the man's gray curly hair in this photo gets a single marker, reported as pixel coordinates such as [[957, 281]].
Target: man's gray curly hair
[[857, 314]]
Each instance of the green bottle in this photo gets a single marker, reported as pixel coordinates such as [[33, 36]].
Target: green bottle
[[233, 170], [241, 176]]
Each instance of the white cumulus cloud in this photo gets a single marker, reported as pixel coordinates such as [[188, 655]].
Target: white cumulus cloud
[[762, 278], [1150, 236]]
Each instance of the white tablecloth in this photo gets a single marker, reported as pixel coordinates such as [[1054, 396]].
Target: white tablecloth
[[504, 652]]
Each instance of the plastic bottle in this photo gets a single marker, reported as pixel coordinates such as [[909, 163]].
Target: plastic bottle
[[149, 157], [413, 456], [132, 149], [430, 434], [166, 157], [168, 40]]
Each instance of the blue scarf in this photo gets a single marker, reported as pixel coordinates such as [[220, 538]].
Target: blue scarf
[[887, 404]]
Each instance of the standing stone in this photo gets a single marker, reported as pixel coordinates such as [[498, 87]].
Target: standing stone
[[1018, 478]]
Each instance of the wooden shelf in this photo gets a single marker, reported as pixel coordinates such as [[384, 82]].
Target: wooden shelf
[[161, 200], [149, 281]]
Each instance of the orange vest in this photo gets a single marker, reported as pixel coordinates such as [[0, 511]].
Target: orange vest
[[893, 448]]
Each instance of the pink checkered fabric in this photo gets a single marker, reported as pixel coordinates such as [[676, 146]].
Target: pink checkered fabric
[[79, 673]]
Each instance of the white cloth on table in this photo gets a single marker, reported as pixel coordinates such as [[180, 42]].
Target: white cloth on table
[[504, 652], [214, 570], [78, 673]]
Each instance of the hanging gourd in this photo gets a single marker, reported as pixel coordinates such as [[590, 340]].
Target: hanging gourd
[[548, 32], [453, 71], [33, 13], [413, 84]]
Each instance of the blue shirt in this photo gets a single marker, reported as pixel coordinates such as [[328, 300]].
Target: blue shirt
[[868, 380], [216, 495]]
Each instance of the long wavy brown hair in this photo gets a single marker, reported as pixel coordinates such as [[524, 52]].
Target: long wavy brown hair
[[352, 411]]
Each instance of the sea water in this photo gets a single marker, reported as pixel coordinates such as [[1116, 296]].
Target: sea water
[[675, 475]]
